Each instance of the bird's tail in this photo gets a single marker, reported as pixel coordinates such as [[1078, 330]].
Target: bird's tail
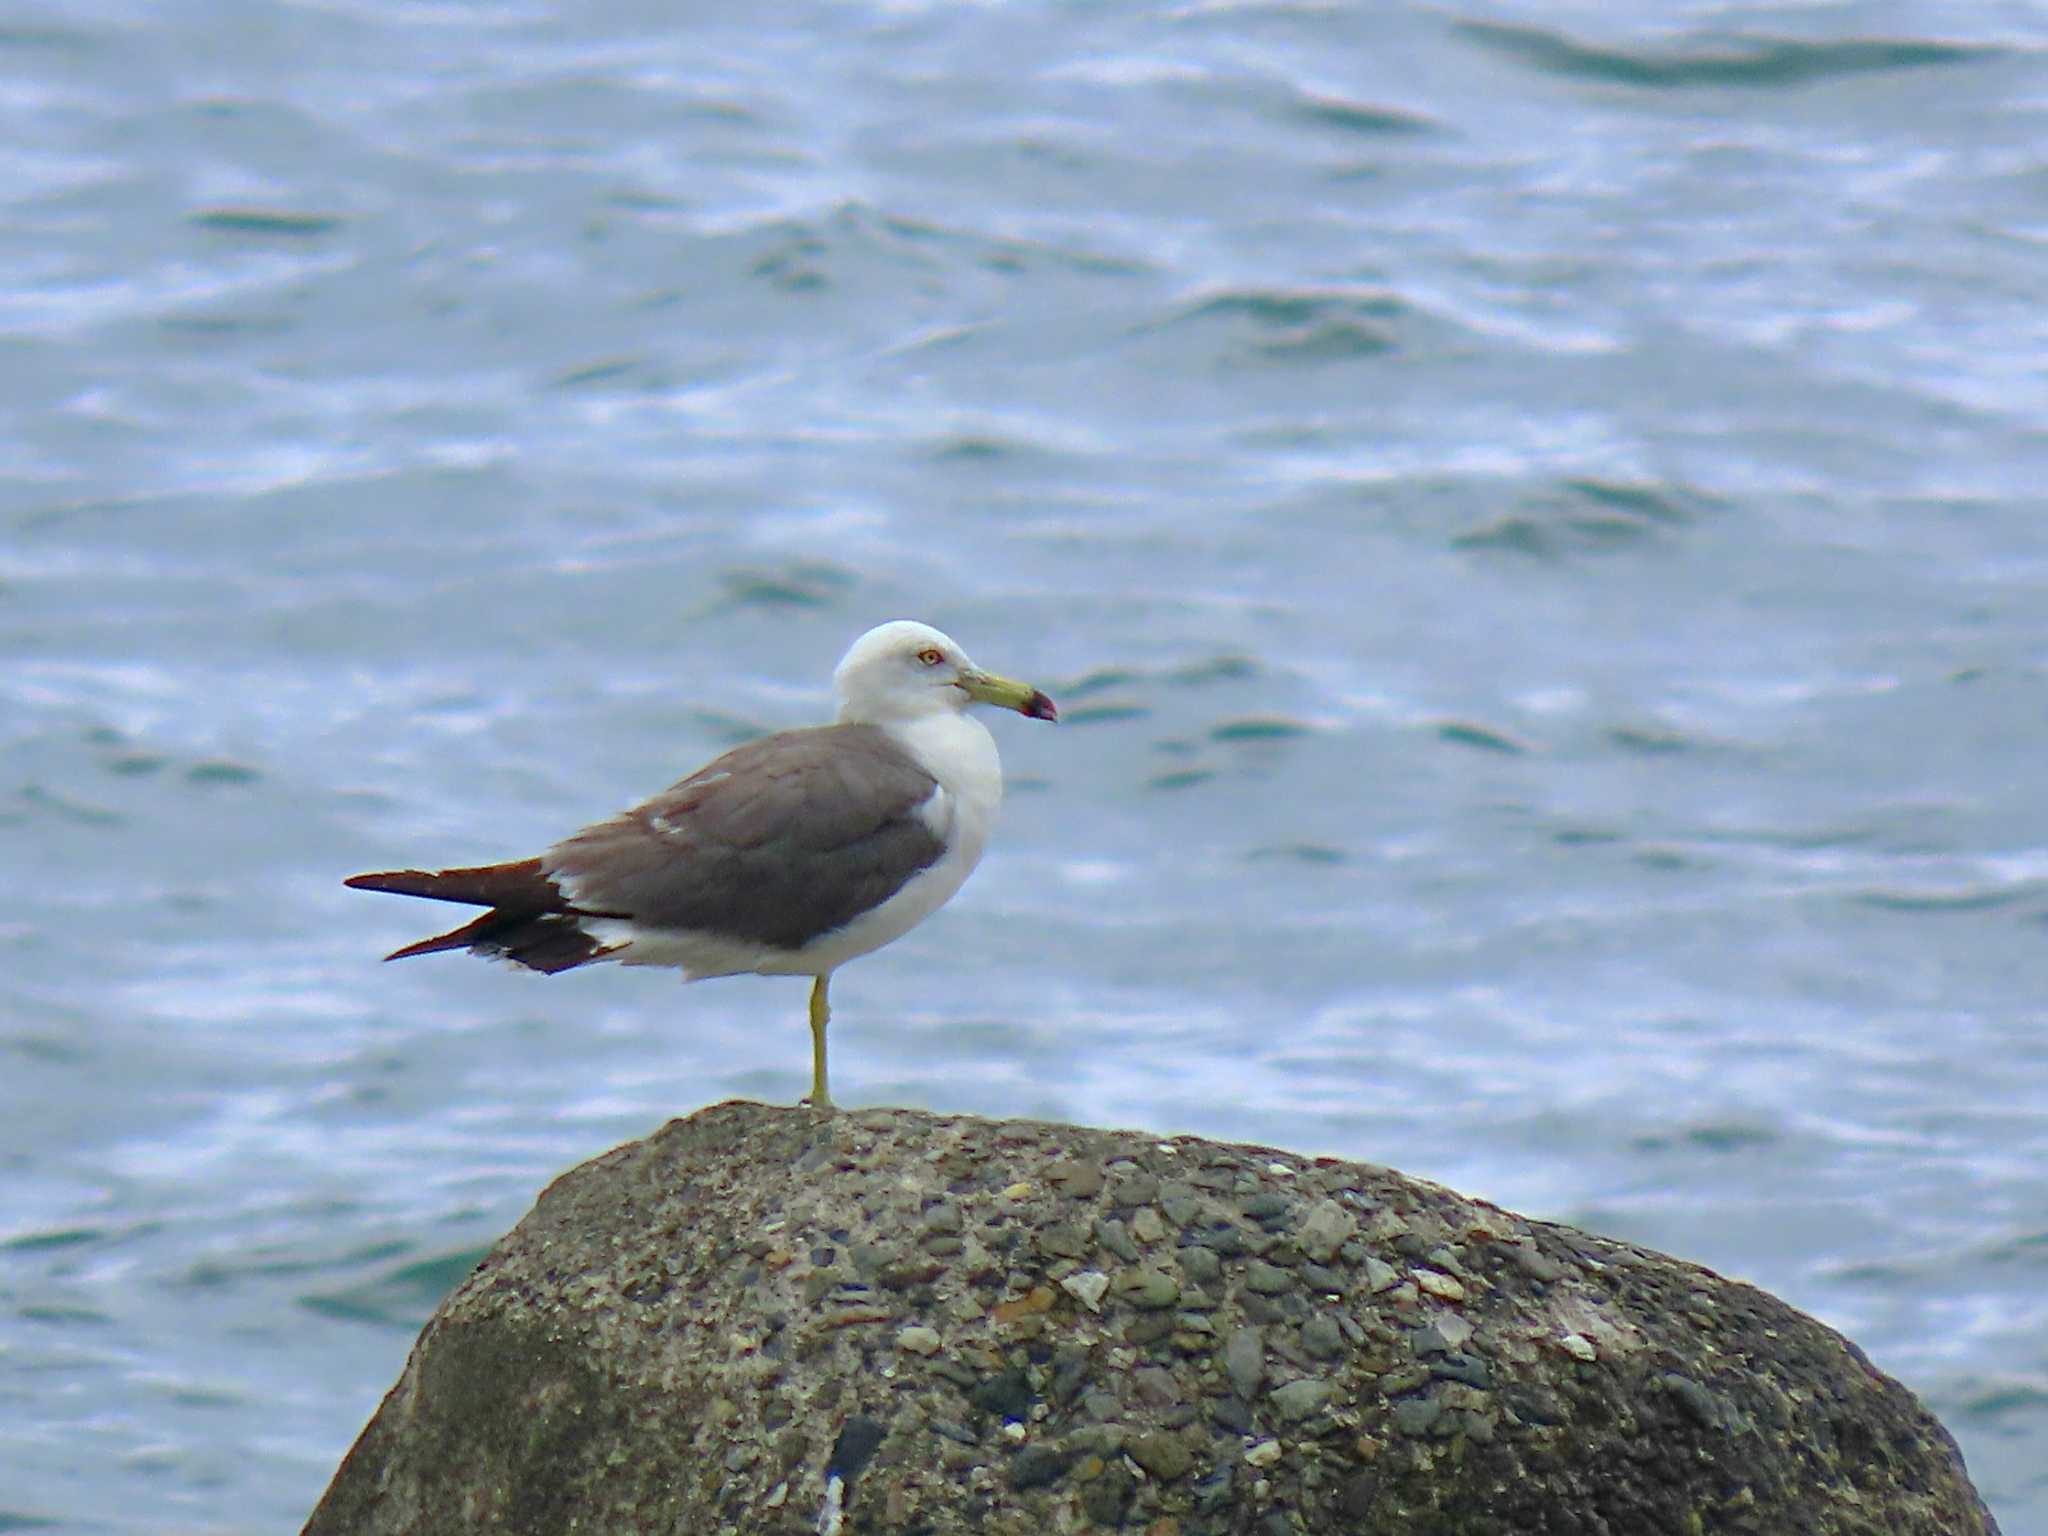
[[529, 922]]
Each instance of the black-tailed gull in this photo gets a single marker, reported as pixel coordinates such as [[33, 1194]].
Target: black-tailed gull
[[788, 856]]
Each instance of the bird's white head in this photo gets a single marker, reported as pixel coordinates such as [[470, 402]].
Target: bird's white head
[[904, 670]]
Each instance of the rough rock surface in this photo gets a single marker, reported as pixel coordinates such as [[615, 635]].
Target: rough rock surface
[[761, 1321]]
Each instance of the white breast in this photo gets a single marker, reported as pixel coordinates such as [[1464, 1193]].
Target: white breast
[[958, 751]]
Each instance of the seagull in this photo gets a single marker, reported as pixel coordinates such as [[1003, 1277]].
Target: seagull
[[788, 856]]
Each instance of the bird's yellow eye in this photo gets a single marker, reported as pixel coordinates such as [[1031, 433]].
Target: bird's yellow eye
[[931, 656]]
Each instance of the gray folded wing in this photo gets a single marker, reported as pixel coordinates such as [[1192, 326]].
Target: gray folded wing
[[775, 843]]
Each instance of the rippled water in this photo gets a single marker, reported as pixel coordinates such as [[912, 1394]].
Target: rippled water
[[1533, 514]]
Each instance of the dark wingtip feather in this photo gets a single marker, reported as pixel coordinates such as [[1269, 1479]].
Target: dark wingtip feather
[[521, 885], [548, 942], [398, 881], [474, 931], [433, 946]]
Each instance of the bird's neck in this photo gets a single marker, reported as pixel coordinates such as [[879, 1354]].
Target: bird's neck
[[958, 751]]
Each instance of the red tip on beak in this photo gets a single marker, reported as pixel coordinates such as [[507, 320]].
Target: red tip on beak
[[1039, 707]]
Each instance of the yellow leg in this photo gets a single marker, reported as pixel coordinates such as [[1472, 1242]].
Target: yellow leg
[[821, 1015]]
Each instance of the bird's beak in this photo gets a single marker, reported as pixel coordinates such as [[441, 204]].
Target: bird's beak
[[987, 688]]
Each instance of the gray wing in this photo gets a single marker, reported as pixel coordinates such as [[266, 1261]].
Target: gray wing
[[774, 843]]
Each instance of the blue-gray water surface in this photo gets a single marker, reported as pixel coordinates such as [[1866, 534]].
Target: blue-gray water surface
[[1532, 511]]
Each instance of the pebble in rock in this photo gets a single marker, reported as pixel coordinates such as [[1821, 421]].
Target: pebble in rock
[[1244, 1359], [1298, 1399]]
